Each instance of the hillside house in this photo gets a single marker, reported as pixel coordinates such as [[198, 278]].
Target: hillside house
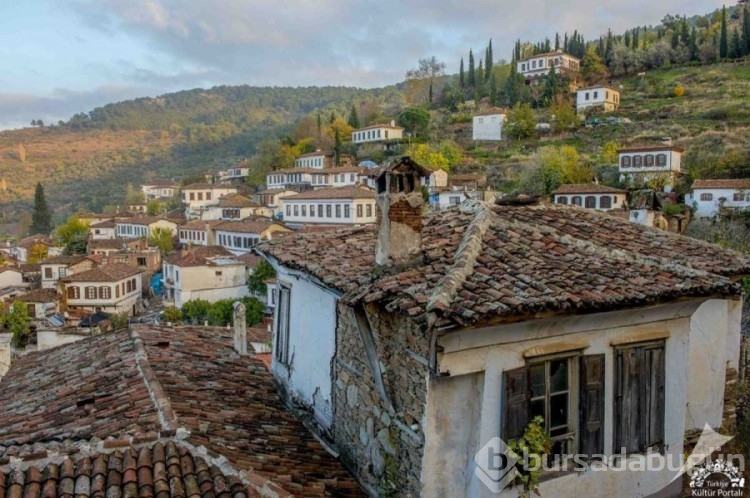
[[649, 162], [197, 197], [240, 237], [377, 133], [238, 174], [142, 226], [351, 205], [591, 196], [272, 199], [210, 273], [34, 247], [198, 233], [711, 198], [322, 160], [159, 189], [57, 267], [602, 97], [488, 125], [40, 303], [103, 230], [105, 247], [111, 288], [291, 179], [11, 277], [235, 207], [537, 67], [480, 317]]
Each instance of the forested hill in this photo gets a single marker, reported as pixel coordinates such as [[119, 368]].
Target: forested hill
[[85, 163]]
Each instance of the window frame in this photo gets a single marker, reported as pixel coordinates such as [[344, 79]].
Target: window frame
[[283, 320]]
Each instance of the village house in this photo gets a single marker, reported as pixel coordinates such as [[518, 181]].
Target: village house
[[441, 331], [197, 197], [159, 189], [238, 174], [157, 411], [711, 198], [235, 207], [111, 288], [459, 188], [538, 66], [352, 205], [291, 179], [591, 196], [40, 302], [105, 247], [240, 237], [57, 267], [488, 125], [103, 230], [377, 133], [649, 162], [198, 233], [272, 199], [210, 273], [142, 226], [33, 249], [322, 160], [11, 276], [603, 97]]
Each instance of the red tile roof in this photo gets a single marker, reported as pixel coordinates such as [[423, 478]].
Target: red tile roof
[[588, 188], [110, 243], [348, 192], [106, 273], [248, 225], [198, 256], [39, 296], [33, 240], [733, 183], [650, 148], [136, 386], [63, 260], [237, 201], [524, 260], [104, 224], [208, 186]]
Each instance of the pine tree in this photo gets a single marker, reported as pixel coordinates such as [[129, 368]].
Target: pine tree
[[320, 125], [488, 62], [627, 39], [693, 44], [354, 118], [557, 42], [332, 118], [493, 90], [472, 80], [608, 49], [723, 39], [461, 80], [635, 38], [735, 46], [746, 30], [41, 218]]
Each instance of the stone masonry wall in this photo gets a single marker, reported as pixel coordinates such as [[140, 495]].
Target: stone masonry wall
[[382, 446]]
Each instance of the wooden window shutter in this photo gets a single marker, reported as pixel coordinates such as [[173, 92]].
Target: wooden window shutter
[[591, 415], [516, 403], [653, 387]]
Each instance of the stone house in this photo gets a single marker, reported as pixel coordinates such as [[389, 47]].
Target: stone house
[[57, 267], [40, 302], [455, 327]]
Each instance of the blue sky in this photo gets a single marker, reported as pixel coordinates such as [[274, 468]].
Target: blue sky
[[60, 57]]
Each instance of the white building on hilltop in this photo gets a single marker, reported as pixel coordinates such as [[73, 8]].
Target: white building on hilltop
[[488, 125], [712, 197]]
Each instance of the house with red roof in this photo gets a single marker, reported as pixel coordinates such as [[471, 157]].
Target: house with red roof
[[710, 198], [434, 333], [111, 288], [591, 196]]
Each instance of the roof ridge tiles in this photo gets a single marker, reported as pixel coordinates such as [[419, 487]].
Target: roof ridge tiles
[[162, 405], [465, 258]]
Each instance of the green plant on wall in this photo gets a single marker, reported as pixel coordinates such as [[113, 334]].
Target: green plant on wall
[[535, 443]]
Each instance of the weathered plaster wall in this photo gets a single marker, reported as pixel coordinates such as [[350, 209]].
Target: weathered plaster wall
[[381, 437], [47, 339]]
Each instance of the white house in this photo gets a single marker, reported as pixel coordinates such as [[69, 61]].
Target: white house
[[57, 267], [284, 178], [605, 97], [273, 199], [538, 66], [377, 133], [11, 277], [627, 339], [159, 189], [234, 175], [235, 207], [240, 237], [198, 232], [712, 197], [141, 226], [198, 196], [34, 246], [113, 288], [40, 302], [649, 162], [488, 125], [103, 230], [210, 273], [351, 205], [591, 196], [321, 160]]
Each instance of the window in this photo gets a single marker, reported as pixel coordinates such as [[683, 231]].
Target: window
[[587, 95], [304, 209], [639, 397], [296, 210], [338, 210], [141, 261], [74, 292], [625, 161], [369, 210], [637, 161], [596, 95], [105, 292], [661, 159], [454, 200], [288, 210], [359, 210], [576, 200], [208, 196], [218, 273], [47, 272], [707, 197], [282, 325], [648, 160], [200, 196], [562, 199], [481, 120], [177, 275], [347, 211], [591, 201], [605, 202], [90, 292], [192, 196], [117, 291], [312, 210], [738, 197], [328, 210], [567, 392], [320, 210]]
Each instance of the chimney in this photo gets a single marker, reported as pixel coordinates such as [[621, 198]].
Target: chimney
[[400, 205], [393, 123], [210, 236], [667, 141], [240, 329]]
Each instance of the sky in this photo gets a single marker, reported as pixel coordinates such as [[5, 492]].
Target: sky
[[61, 57]]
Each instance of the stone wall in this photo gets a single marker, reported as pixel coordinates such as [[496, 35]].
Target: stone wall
[[381, 437]]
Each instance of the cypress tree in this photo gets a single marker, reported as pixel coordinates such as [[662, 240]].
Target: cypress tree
[[735, 47], [675, 40], [693, 44], [488, 62], [627, 39], [320, 125], [635, 38], [480, 75], [461, 81], [557, 42], [493, 90], [430, 94], [746, 30], [472, 76], [332, 118], [723, 39], [608, 48], [41, 218], [354, 118], [565, 43], [684, 31]]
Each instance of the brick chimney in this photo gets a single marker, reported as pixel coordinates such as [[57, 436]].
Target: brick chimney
[[400, 206]]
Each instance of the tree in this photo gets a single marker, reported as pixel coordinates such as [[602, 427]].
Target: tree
[[41, 218], [565, 115], [493, 90], [441, 156], [33, 122], [608, 154], [520, 121], [414, 119], [745, 30], [73, 235], [472, 79], [488, 62], [515, 89], [162, 238], [735, 45], [154, 207], [353, 118], [135, 196], [593, 69], [723, 37], [256, 282], [18, 322], [420, 80], [553, 86]]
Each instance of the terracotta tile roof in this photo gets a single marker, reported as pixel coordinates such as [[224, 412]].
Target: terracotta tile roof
[[104, 224], [492, 111], [388, 125], [160, 183], [274, 191], [593, 87], [348, 192], [201, 224], [650, 148], [34, 240], [185, 386], [521, 260], [588, 188], [247, 226], [344, 169], [106, 273], [39, 296], [317, 153], [294, 170], [734, 183], [198, 256], [548, 54], [3, 269], [63, 260], [108, 243], [208, 186], [142, 220], [30, 267], [250, 259], [237, 201]]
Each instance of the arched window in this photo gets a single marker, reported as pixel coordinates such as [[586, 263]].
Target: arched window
[[637, 161], [605, 202], [562, 199], [649, 160], [576, 200], [661, 159], [591, 201], [625, 161]]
